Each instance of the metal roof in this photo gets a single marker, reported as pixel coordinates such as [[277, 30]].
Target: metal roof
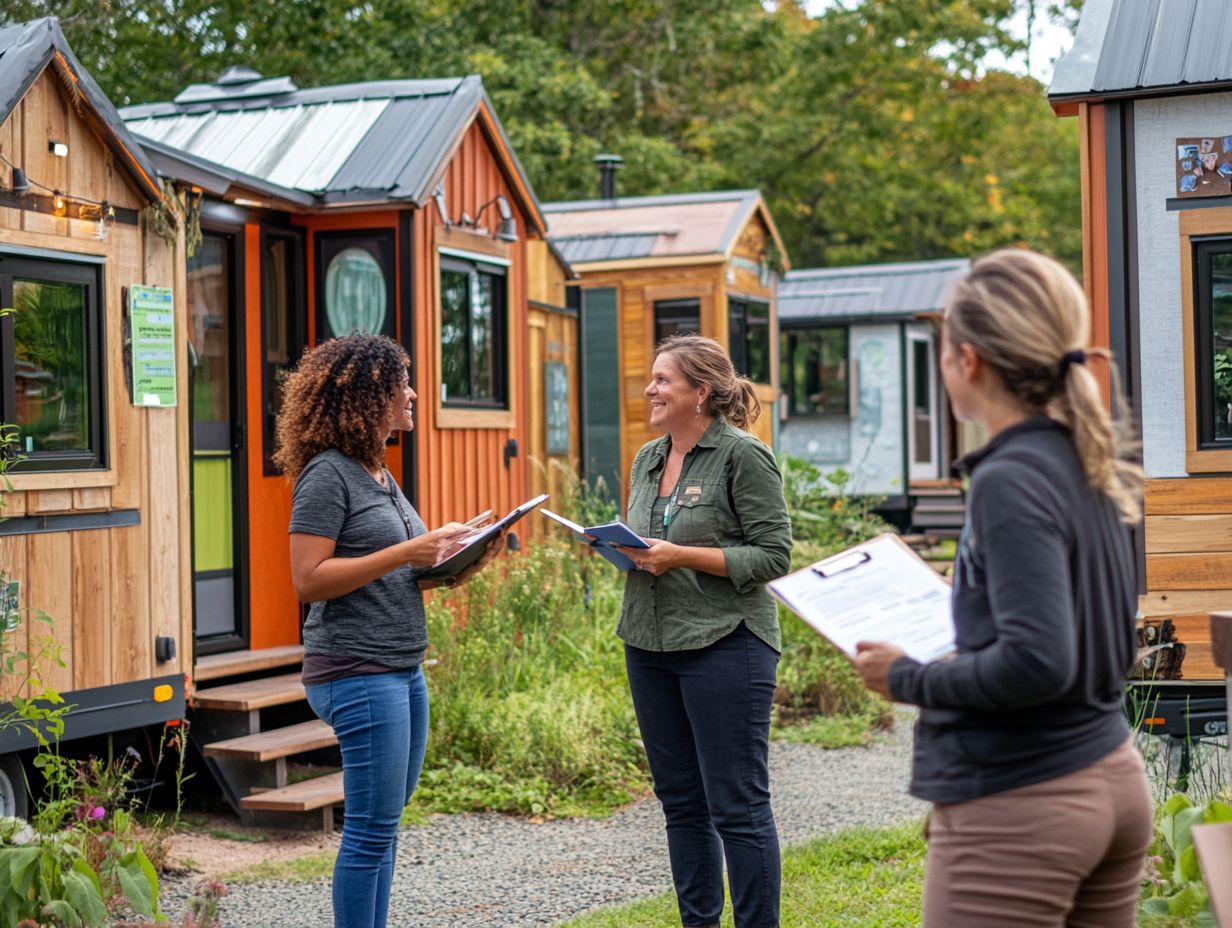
[[26, 50], [675, 225], [217, 180], [869, 291], [1143, 47], [376, 141]]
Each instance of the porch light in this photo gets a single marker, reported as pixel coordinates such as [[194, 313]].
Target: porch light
[[57, 148], [508, 229]]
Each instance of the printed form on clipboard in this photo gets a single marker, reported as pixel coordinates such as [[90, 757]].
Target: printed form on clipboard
[[877, 591]]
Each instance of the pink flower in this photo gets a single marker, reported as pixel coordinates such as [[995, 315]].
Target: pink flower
[[98, 812]]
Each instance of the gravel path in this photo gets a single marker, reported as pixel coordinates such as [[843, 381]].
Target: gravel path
[[479, 871]]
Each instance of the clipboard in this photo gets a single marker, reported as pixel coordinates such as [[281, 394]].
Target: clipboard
[[880, 590], [471, 547]]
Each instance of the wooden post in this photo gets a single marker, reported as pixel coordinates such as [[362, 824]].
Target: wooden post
[[1221, 651]]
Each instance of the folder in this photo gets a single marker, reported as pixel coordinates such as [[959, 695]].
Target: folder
[[880, 590], [601, 538], [470, 548]]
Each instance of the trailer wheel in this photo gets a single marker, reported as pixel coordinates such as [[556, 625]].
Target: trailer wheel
[[14, 800]]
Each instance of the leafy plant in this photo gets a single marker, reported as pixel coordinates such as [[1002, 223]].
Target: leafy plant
[[825, 513], [1174, 885]]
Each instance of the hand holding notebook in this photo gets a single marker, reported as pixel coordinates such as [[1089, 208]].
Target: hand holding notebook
[[602, 537]]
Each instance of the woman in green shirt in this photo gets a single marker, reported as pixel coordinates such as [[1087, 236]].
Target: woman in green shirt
[[701, 633]]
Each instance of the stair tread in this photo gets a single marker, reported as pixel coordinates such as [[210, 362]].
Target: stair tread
[[251, 694], [275, 743], [231, 663], [299, 797]]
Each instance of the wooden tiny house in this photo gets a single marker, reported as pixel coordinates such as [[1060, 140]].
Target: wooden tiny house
[[653, 266], [97, 530], [1143, 82]]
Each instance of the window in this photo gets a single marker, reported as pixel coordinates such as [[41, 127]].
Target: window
[[1213, 306], [355, 283], [749, 338], [677, 317], [814, 372], [51, 362], [473, 341], [282, 337]]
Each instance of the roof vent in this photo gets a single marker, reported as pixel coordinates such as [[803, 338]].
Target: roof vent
[[238, 74]]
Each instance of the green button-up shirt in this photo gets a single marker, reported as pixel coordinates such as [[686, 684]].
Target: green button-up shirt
[[730, 496]]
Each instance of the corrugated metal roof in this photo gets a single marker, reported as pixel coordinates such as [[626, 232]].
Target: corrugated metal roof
[[381, 140], [584, 248], [1144, 47], [891, 291], [26, 49], [677, 225]]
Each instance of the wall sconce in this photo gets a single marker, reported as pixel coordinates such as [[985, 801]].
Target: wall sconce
[[508, 229], [59, 149]]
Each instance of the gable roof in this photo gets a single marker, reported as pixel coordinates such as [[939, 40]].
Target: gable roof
[[1145, 48], [674, 226], [882, 292], [28, 49], [378, 141]]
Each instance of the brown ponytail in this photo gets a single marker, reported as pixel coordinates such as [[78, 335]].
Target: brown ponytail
[[703, 361], [1027, 317]]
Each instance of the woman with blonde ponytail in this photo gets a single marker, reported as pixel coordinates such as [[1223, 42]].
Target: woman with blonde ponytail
[[1042, 814], [701, 633]]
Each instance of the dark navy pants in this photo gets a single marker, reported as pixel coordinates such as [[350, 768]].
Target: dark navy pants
[[705, 720]]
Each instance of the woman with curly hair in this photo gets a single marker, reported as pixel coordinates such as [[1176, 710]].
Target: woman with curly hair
[[357, 546]]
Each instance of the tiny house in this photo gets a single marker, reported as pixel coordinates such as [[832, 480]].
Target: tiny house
[[1151, 86], [650, 267], [94, 374], [860, 388]]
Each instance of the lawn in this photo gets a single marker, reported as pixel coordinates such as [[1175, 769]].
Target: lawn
[[863, 878]]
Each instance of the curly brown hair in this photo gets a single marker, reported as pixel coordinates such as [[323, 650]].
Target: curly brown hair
[[340, 395]]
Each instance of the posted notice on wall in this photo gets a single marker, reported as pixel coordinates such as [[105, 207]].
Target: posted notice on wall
[[152, 316]]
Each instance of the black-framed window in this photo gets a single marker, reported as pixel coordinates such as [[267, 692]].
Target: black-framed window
[[677, 317], [52, 362], [1213, 327], [814, 371], [474, 315], [749, 338], [282, 326], [355, 283]]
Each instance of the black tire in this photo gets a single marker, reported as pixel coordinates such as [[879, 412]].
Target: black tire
[[14, 796]]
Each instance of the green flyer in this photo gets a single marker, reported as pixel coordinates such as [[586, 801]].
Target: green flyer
[[152, 314]]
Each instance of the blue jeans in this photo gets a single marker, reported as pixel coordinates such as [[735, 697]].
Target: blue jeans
[[381, 720], [705, 720]]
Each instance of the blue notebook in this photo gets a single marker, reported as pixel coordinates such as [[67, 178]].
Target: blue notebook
[[602, 537]]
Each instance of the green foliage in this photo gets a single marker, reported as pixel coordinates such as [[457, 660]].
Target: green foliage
[[862, 878], [530, 710], [825, 515], [1174, 887], [43, 875], [872, 127]]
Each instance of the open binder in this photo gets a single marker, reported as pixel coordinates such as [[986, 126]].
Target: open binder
[[880, 590], [470, 548], [602, 537]]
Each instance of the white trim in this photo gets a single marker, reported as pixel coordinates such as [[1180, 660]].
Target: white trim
[[474, 256], [929, 469]]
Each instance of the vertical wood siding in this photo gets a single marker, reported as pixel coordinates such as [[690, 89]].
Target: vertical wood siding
[[108, 592]]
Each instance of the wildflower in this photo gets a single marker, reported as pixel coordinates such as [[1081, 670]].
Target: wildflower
[[97, 813], [23, 835]]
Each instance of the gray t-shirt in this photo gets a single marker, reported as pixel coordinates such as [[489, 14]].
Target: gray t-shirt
[[383, 620]]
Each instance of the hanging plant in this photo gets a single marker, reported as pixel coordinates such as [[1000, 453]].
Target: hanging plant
[[163, 217]]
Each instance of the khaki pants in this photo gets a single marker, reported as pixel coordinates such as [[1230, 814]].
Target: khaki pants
[[1065, 852]]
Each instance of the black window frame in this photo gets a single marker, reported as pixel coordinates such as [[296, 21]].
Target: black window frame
[[676, 312], [787, 377], [740, 337], [1204, 337], [499, 273], [54, 269], [296, 329], [377, 242]]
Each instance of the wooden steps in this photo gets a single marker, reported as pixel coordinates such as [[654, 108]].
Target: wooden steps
[[937, 510], [276, 743], [251, 694], [304, 796], [234, 663]]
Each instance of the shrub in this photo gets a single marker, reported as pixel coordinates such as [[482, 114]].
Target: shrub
[[1174, 887]]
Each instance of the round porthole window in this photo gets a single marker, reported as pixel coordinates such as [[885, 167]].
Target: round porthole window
[[354, 293]]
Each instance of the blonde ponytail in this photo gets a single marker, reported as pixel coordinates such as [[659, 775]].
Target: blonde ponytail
[[1027, 317]]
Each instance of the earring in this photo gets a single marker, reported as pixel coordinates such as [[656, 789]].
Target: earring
[[698, 409]]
